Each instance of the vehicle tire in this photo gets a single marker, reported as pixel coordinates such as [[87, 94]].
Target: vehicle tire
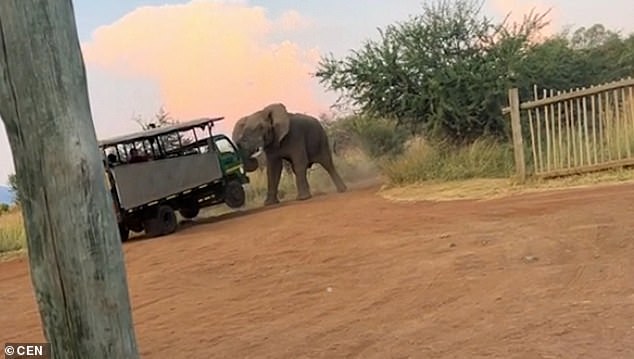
[[234, 194], [163, 223], [124, 232], [152, 227], [135, 226], [189, 212]]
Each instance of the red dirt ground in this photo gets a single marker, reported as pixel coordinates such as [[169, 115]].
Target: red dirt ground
[[547, 275]]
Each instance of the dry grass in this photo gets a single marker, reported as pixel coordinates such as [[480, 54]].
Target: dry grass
[[485, 168], [12, 235], [424, 161], [483, 189], [583, 138]]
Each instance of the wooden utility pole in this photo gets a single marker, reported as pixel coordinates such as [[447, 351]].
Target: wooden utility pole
[[518, 143], [74, 248]]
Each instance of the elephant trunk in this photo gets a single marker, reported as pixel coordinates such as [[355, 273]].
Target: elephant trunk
[[250, 163]]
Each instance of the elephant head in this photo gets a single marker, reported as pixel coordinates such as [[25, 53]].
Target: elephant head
[[260, 130]]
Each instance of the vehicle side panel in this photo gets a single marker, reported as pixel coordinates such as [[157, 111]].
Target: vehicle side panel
[[141, 183]]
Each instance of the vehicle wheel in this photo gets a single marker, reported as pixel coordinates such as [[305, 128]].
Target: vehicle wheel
[[135, 226], [163, 223], [124, 232], [234, 194], [189, 212], [152, 227]]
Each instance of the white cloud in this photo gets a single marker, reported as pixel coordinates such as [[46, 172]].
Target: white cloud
[[211, 58]]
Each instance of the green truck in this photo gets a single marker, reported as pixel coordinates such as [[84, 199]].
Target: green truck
[[153, 174]]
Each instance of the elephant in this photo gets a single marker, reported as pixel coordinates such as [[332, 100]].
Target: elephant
[[286, 166], [294, 137]]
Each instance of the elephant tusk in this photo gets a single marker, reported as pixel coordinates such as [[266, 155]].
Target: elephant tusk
[[257, 153]]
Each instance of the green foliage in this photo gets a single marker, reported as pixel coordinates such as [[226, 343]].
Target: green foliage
[[445, 73], [13, 184], [377, 137], [441, 72], [588, 56], [4, 208]]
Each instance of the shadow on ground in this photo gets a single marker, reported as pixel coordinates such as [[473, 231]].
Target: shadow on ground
[[258, 208]]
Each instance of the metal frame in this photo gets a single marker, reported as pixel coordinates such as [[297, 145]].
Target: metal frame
[[143, 135]]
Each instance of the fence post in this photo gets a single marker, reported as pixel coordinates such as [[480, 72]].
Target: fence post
[[516, 127]]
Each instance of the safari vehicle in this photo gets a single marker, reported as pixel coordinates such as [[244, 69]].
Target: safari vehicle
[[184, 167]]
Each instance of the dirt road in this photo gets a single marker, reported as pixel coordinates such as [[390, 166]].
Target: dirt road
[[546, 275]]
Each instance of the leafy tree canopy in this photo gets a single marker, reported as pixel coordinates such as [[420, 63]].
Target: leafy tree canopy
[[446, 72]]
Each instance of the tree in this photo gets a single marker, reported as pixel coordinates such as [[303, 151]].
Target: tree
[[446, 72], [377, 137], [162, 119], [438, 73], [13, 184], [576, 59], [74, 246]]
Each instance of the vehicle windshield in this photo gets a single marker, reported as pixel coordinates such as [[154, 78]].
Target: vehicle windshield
[[223, 145]]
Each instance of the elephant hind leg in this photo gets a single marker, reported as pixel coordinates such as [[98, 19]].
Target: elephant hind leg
[[327, 163]]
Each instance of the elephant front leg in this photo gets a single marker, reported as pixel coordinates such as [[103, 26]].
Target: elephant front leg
[[273, 173], [301, 181]]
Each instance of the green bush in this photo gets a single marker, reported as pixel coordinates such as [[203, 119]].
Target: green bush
[[376, 137], [445, 71], [379, 137], [13, 184]]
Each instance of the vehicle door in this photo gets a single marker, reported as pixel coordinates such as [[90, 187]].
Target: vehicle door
[[229, 158]]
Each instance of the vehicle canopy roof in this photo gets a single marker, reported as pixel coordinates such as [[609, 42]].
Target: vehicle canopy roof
[[142, 135]]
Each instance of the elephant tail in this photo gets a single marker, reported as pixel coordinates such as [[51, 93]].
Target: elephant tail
[[330, 144]]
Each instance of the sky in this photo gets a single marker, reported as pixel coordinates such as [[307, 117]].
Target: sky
[[232, 57]]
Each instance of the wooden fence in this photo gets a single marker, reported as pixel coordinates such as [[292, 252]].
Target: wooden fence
[[572, 132]]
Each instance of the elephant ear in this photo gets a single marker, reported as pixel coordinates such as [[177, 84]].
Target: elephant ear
[[280, 120], [238, 129]]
